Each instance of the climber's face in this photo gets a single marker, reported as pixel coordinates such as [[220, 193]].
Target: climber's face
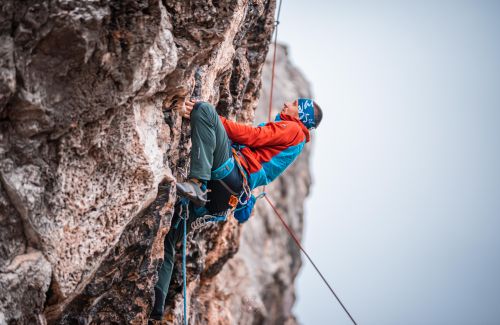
[[291, 109]]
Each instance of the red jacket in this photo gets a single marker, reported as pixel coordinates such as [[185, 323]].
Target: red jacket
[[269, 148]]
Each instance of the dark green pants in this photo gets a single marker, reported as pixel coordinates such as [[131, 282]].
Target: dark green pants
[[210, 149], [210, 144]]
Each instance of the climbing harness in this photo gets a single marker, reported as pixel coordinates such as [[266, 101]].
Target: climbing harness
[[290, 231], [226, 184]]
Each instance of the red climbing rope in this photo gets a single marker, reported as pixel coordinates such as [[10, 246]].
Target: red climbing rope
[[276, 23], [290, 231]]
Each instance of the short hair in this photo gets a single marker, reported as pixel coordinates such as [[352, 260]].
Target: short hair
[[318, 114]]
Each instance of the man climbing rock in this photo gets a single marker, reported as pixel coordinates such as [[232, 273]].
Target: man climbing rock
[[228, 160]]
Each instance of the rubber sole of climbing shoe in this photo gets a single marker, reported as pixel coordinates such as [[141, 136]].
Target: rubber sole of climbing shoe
[[192, 192]]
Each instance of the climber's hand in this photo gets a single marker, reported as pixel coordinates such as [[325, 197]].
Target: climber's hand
[[189, 104]]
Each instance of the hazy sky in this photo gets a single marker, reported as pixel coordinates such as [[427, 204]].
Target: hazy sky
[[404, 217]]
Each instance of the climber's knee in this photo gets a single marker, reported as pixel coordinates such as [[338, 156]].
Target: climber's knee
[[203, 107], [203, 111]]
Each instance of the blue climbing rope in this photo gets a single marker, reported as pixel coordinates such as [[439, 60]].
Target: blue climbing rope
[[184, 206], [184, 269], [198, 223]]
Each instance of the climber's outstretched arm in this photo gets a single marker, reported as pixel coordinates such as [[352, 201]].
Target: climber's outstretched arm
[[271, 134]]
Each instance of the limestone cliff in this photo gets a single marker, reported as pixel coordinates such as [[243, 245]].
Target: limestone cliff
[[92, 142]]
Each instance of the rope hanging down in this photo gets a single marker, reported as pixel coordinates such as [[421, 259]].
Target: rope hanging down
[[276, 23], [290, 231], [184, 206]]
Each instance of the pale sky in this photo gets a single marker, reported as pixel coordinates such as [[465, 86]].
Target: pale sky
[[404, 215]]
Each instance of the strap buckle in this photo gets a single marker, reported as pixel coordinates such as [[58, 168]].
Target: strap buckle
[[233, 201]]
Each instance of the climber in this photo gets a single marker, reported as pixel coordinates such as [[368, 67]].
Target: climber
[[228, 160]]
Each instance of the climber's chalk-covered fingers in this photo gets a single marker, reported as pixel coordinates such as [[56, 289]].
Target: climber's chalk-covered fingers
[[188, 107]]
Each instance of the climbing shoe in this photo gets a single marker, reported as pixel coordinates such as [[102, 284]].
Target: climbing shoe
[[192, 191]]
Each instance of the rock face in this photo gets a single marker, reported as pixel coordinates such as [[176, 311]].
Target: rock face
[[91, 142]]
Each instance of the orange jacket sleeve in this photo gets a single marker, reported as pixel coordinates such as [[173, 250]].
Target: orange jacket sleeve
[[271, 134]]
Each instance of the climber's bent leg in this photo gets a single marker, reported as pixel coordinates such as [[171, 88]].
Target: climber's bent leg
[[210, 143]]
